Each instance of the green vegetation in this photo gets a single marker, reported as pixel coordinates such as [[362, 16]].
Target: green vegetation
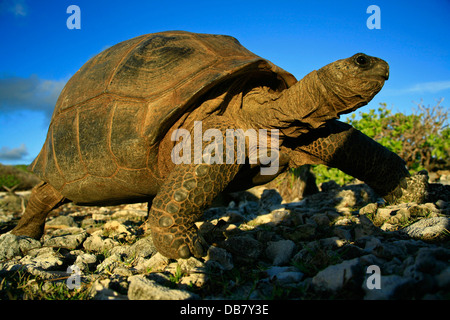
[[422, 139], [21, 285], [17, 176]]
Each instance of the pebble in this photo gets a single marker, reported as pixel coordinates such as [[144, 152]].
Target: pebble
[[321, 245], [142, 288], [96, 243], [391, 287], [12, 245], [285, 276], [334, 277], [218, 257], [431, 229], [69, 241], [280, 252]]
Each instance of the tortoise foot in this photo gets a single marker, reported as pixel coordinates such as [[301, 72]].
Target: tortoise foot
[[176, 244], [410, 189]]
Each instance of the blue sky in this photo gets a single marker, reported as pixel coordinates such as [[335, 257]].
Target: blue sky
[[38, 53]]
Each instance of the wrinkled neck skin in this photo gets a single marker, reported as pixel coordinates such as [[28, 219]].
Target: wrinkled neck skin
[[305, 106]]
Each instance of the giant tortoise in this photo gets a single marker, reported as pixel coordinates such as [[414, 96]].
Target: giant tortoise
[[115, 131]]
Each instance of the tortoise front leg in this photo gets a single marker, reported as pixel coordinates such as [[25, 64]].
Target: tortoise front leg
[[188, 190], [341, 146]]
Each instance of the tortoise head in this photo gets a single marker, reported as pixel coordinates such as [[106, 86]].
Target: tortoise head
[[354, 81]]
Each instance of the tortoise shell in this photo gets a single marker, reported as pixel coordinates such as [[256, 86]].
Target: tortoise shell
[[125, 99]]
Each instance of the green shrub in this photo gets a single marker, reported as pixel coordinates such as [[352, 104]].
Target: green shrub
[[9, 180], [422, 139], [11, 176]]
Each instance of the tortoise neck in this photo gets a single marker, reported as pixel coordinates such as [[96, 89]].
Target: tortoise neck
[[305, 106]]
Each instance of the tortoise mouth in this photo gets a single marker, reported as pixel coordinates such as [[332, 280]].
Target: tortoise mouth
[[378, 76], [382, 70]]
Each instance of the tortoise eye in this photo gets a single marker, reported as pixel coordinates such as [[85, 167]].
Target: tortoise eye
[[362, 60]]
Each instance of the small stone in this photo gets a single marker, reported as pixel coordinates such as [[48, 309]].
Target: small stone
[[189, 265], [85, 261], [143, 248], [441, 204], [114, 228], [244, 247], [430, 229], [156, 262], [443, 279], [62, 221], [123, 271], [384, 213], [302, 232], [321, 219], [371, 243], [101, 290], [285, 276], [222, 258], [388, 251], [275, 217], [391, 287], [248, 207], [130, 213], [109, 263], [194, 279], [280, 252], [369, 209], [70, 241], [329, 185], [432, 260], [332, 243], [343, 222], [388, 227], [270, 200], [96, 243], [276, 270], [289, 278], [365, 227], [343, 233], [334, 277], [142, 288], [12, 245], [43, 258]]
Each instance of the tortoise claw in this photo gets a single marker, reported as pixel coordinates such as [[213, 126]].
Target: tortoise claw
[[184, 252], [179, 245], [404, 183], [410, 189], [389, 198], [198, 249]]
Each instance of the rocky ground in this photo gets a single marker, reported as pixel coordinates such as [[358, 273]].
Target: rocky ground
[[340, 243]]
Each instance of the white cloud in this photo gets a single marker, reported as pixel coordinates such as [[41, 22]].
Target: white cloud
[[9, 154], [32, 93], [429, 87], [17, 7], [423, 87]]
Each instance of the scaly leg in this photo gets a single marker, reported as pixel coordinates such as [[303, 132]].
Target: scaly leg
[[341, 146], [44, 198], [189, 189]]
